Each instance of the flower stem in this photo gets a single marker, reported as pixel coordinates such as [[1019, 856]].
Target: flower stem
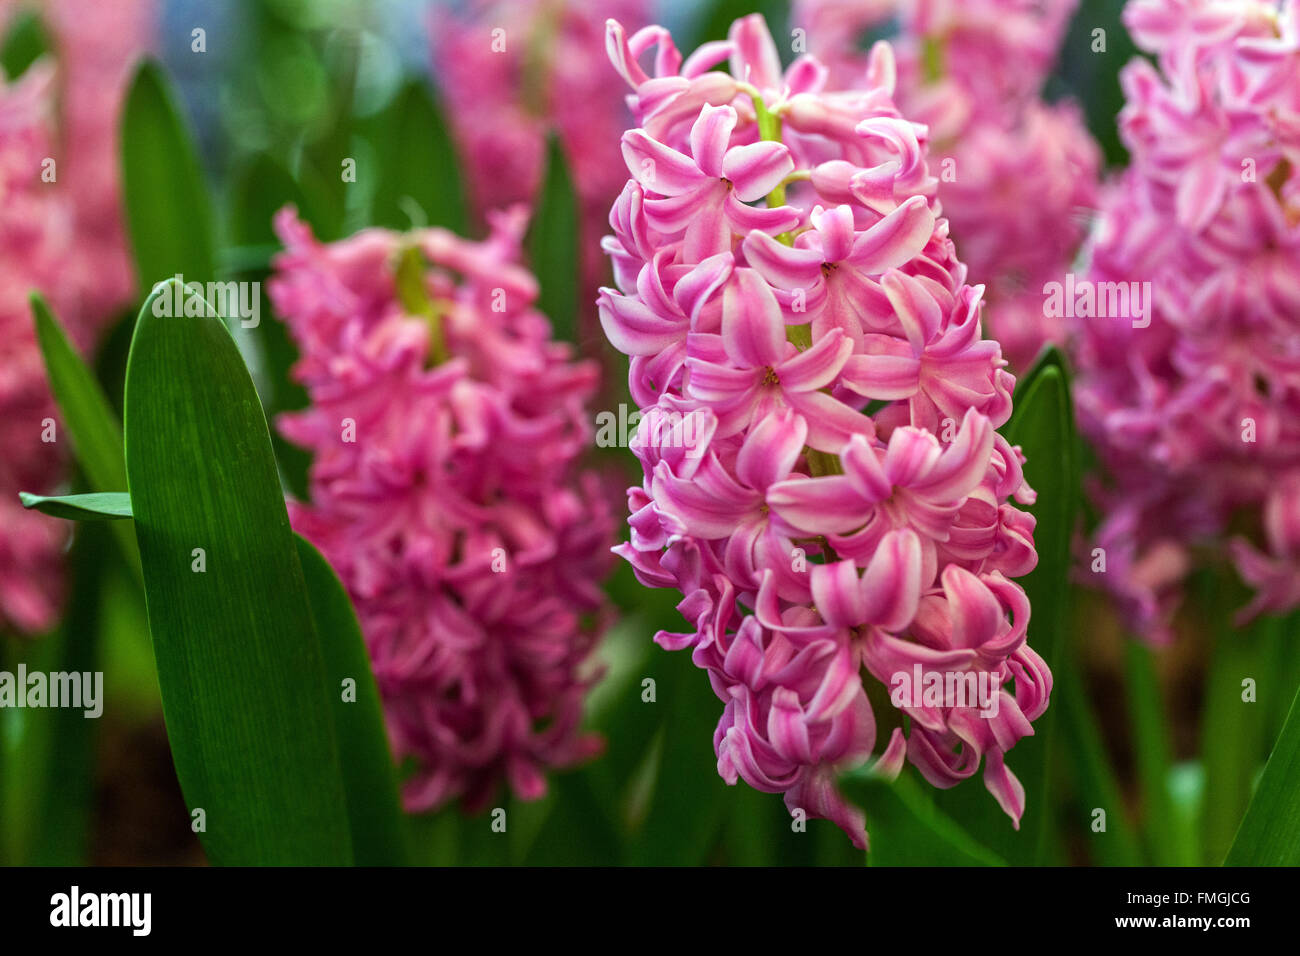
[[411, 292], [769, 129]]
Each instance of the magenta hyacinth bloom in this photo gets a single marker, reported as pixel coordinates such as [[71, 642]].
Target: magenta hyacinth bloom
[[446, 429], [823, 479], [1191, 400], [61, 234], [1018, 178]]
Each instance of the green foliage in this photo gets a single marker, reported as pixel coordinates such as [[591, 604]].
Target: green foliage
[[87, 417], [553, 246], [240, 665], [24, 43], [419, 181], [168, 210], [1270, 832]]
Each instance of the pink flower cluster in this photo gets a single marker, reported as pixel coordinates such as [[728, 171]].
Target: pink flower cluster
[[34, 231], [1196, 416], [446, 429], [1017, 176], [823, 479], [61, 234], [517, 72], [98, 45]]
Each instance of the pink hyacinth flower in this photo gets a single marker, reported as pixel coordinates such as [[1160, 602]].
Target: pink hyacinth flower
[[822, 478]]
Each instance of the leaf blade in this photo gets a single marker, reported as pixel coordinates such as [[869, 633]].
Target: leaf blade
[[169, 213], [906, 829], [419, 165], [369, 781], [1270, 832], [95, 506], [87, 415], [553, 246], [239, 664]]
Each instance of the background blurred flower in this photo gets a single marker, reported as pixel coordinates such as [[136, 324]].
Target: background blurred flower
[[1017, 176], [61, 233], [446, 430], [1195, 416]]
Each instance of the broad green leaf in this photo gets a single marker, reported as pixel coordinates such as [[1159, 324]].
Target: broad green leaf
[[755, 822], [629, 724], [418, 177], [24, 43], [240, 666], [96, 506], [1270, 832], [87, 416], [168, 210], [374, 808], [553, 246], [905, 828]]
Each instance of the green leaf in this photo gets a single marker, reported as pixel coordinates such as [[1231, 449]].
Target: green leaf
[[906, 828], [1270, 832], [1090, 75], [96, 435], [1095, 782], [651, 780], [87, 416], [1235, 733], [240, 667], [25, 42], [97, 506], [261, 190], [419, 177], [168, 209], [374, 808], [1165, 845], [1043, 426], [681, 816], [47, 755], [712, 18], [553, 246], [262, 187]]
